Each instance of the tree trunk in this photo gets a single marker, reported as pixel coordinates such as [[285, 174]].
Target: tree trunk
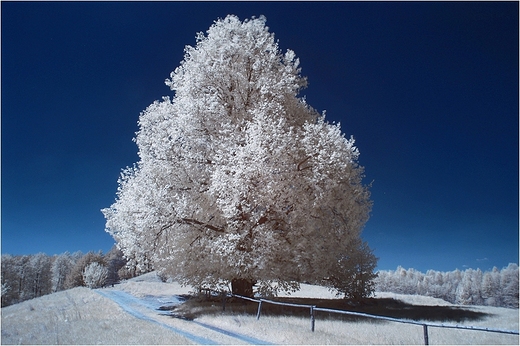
[[242, 287]]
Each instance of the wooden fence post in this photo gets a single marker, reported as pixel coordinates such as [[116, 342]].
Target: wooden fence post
[[312, 318], [425, 329], [258, 312]]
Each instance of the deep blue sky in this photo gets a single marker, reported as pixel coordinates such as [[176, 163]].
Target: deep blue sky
[[429, 91]]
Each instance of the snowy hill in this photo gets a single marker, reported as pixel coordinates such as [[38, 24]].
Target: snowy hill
[[127, 314]]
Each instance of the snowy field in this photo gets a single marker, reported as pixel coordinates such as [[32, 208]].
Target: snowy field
[[127, 314]]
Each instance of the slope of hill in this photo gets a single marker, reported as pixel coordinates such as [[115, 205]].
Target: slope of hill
[[126, 314], [78, 316]]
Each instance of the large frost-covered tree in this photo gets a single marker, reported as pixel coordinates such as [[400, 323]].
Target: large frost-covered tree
[[239, 180]]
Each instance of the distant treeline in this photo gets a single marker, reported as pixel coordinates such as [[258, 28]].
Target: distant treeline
[[468, 287], [31, 276]]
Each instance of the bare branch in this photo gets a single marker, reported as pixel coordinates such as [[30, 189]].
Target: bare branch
[[190, 221], [303, 162]]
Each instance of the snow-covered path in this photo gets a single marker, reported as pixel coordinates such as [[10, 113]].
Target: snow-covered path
[[145, 308]]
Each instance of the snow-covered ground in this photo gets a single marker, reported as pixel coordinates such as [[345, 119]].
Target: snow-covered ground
[[78, 316], [126, 314]]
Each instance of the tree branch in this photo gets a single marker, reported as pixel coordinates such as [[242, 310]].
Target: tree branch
[[188, 221], [303, 162]]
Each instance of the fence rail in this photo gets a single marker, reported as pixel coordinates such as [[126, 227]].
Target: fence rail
[[425, 325]]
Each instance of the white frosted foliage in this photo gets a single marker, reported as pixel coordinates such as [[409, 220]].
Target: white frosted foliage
[[95, 275], [238, 177]]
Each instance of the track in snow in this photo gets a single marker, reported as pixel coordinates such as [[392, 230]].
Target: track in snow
[[131, 305]]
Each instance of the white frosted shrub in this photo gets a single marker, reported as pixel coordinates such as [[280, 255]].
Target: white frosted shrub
[[95, 275]]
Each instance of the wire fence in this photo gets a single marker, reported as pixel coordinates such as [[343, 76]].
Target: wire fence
[[314, 308]]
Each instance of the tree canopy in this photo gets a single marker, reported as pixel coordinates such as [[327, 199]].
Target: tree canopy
[[239, 180]]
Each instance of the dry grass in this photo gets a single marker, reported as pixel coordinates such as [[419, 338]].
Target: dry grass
[[294, 330]]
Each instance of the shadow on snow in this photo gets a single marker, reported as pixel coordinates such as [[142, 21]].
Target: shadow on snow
[[195, 306]]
